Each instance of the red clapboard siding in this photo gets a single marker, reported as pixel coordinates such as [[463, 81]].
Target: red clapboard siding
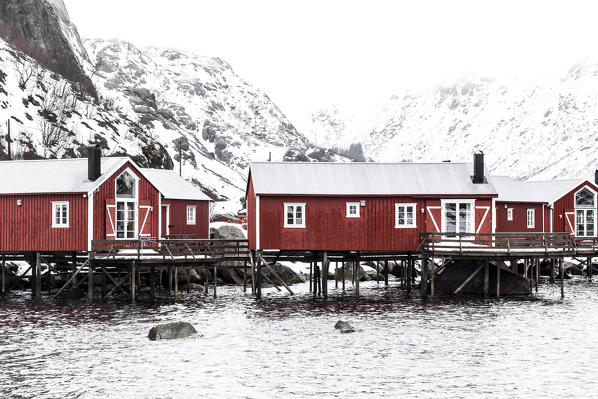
[[29, 227], [565, 206], [251, 221], [178, 218], [148, 195], [519, 222], [328, 228]]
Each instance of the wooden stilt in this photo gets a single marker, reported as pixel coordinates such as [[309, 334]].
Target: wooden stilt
[[169, 280], [3, 274], [343, 274], [408, 273], [497, 281], [432, 273], [325, 275], [356, 274], [386, 273], [90, 283], [215, 279], [552, 273], [319, 279], [176, 283], [589, 271], [525, 265], [335, 274], [160, 282], [413, 271], [206, 274], [537, 273], [402, 274], [38, 276], [251, 259], [423, 284], [562, 272], [353, 271], [259, 276], [311, 266], [245, 276], [133, 275], [152, 283], [486, 277], [377, 273], [188, 280], [74, 261]]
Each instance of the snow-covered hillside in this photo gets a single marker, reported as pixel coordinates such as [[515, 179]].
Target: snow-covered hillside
[[542, 129]]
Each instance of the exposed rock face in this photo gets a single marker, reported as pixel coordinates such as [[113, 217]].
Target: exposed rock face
[[285, 273], [42, 29], [344, 327], [172, 331]]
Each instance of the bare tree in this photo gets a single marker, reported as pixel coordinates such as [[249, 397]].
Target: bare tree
[[25, 71], [58, 101]]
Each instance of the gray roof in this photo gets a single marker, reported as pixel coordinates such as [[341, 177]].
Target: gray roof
[[366, 178], [510, 190], [172, 186], [52, 175]]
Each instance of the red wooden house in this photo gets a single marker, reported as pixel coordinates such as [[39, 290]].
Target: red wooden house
[[364, 206], [555, 206], [62, 205]]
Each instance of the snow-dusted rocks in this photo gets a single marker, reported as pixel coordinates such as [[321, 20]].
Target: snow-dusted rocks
[[172, 331], [344, 327]]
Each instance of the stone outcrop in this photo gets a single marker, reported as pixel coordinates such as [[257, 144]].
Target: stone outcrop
[[344, 327], [172, 331]]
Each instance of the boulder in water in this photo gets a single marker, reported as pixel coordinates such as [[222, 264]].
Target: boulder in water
[[176, 330], [287, 274], [344, 327]]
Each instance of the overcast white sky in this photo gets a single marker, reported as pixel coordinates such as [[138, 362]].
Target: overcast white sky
[[308, 54]]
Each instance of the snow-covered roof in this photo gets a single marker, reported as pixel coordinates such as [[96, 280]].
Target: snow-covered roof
[[510, 190], [172, 186], [52, 175], [366, 178]]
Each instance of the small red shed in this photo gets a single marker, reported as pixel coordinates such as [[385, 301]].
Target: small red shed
[[553, 206], [364, 206], [61, 205], [185, 209]]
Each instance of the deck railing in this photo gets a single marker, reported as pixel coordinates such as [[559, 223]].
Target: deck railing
[[169, 249], [505, 242]]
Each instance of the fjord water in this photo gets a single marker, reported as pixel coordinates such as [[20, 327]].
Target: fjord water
[[287, 346]]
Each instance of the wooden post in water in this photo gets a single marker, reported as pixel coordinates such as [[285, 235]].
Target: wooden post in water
[[188, 280], [385, 273], [3, 273], [311, 267], [408, 273], [497, 281], [356, 276], [152, 283], [74, 259], [169, 280], [432, 272], [336, 274], [589, 272], [537, 273], [423, 284], [132, 282], [552, 270], [259, 276], [215, 279], [486, 277], [343, 274], [176, 283], [245, 276], [325, 275], [206, 276], [38, 275], [562, 271]]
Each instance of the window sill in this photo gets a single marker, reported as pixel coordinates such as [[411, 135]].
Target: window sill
[[405, 227], [294, 227], [191, 224], [353, 217], [60, 227]]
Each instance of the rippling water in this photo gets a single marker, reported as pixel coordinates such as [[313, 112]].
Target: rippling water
[[288, 347]]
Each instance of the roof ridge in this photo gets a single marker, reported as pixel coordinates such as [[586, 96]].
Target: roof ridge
[[53, 159]]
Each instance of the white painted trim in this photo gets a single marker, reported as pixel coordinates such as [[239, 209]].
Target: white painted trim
[[257, 222], [357, 205], [194, 221], [294, 226], [493, 215], [509, 214], [112, 224], [134, 200], [543, 218], [566, 192], [487, 208], [149, 209], [429, 208], [551, 219], [90, 220], [159, 216], [575, 221], [167, 206], [405, 204], [68, 214], [527, 213], [443, 203]]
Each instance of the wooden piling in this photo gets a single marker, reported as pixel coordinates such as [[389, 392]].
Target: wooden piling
[[3, 274], [215, 279], [132, 282], [497, 281], [343, 274], [245, 276], [408, 273], [432, 272], [356, 277], [385, 273], [552, 266], [486, 277], [169, 280], [377, 273], [311, 280], [188, 281], [152, 283], [259, 276], [423, 283], [176, 283], [74, 260], [562, 272], [325, 275], [537, 273], [206, 275], [589, 272], [335, 274], [38, 275]]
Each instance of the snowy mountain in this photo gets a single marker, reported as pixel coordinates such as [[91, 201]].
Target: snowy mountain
[[155, 105], [540, 130]]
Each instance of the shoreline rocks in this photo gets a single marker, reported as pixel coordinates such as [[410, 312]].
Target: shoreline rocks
[[175, 330]]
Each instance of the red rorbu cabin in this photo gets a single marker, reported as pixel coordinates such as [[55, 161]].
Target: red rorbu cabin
[[364, 206], [61, 205], [554, 206]]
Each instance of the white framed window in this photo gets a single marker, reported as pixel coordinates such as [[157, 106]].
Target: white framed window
[[458, 216], [126, 188], [585, 213], [531, 218], [294, 215], [60, 214], [510, 214], [353, 209], [405, 215], [191, 214]]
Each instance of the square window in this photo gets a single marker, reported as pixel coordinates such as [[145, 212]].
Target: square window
[[294, 215], [353, 209], [405, 215], [60, 214]]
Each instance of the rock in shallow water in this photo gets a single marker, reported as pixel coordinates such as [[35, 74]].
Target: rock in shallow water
[[344, 327], [172, 331]]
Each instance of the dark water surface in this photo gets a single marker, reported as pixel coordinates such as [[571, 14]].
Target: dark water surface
[[288, 347]]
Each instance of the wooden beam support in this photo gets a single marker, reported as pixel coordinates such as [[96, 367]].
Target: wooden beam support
[[90, 283], [152, 283], [497, 281], [356, 276], [176, 283], [486, 277], [259, 275], [325, 275], [385, 273], [468, 279], [133, 275], [38, 275], [423, 282], [562, 270], [432, 274], [3, 274], [215, 278], [245, 276]]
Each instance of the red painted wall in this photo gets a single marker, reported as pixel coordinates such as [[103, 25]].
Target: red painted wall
[[566, 205], [519, 222], [29, 227], [251, 233], [328, 228], [147, 193], [178, 218]]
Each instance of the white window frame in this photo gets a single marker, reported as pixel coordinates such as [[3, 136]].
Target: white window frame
[[585, 210], [531, 221], [509, 214], [60, 225], [286, 222], [191, 221], [405, 205], [126, 201], [357, 206], [458, 202]]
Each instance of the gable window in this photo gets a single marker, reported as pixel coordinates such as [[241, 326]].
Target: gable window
[[353, 209], [457, 216], [126, 187], [510, 214], [405, 215], [191, 212], [585, 213], [60, 214], [531, 218], [294, 215]]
